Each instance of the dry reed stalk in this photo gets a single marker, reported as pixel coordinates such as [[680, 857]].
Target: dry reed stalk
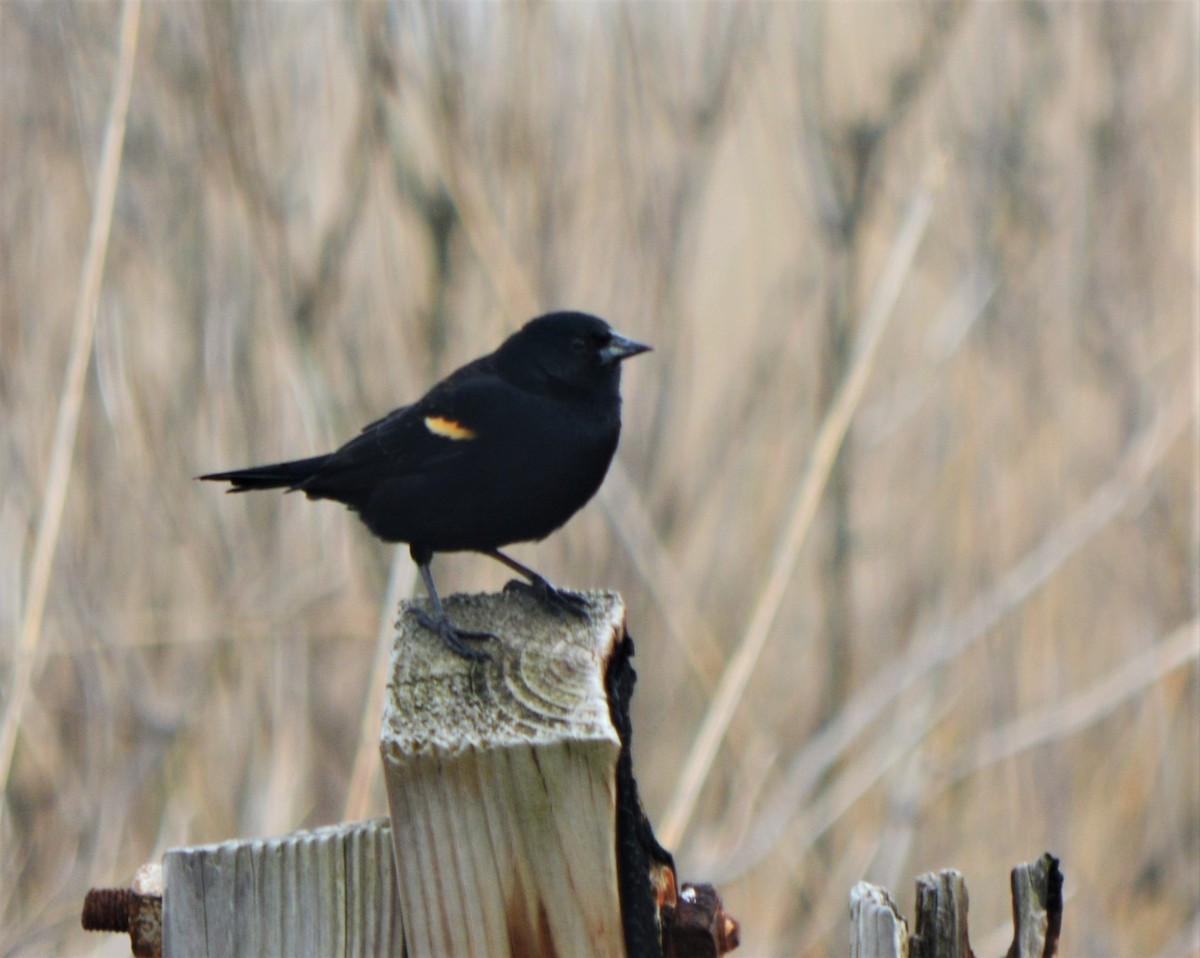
[[366, 757], [804, 507], [631, 521], [1142, 670], [862, 774], [66, 425]]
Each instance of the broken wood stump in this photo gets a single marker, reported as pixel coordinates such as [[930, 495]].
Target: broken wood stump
[[877, 929]]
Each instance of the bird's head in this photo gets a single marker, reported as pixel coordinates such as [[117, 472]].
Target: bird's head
[[566, 353]]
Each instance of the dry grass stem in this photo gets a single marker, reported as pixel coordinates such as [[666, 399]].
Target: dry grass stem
[[1051, 723], [62, 449], [365, 770], [836, 422]]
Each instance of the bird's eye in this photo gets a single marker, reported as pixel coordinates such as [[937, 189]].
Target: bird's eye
[[579, 345]]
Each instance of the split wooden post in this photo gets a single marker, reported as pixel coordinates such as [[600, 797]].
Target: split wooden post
[[501, 780], [877, 929]]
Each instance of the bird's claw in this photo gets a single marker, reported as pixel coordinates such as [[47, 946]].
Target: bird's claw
[[452, 636], [556, 601]]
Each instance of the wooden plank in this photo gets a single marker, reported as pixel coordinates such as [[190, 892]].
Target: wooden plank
[[876, 928], [328, 893], [1037, 908], [941, 925], [501, 779]]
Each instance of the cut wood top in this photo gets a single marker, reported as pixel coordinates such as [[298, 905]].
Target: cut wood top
[[544, 681]]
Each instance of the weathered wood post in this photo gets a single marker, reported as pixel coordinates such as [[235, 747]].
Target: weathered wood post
[[502, 782]]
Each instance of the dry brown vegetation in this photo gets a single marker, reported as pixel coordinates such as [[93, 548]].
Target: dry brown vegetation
[[953, 243]]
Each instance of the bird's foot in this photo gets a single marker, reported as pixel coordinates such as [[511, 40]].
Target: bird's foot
[[452, 636], [557, 601]]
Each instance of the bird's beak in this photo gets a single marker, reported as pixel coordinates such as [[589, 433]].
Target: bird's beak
[[619, 348]]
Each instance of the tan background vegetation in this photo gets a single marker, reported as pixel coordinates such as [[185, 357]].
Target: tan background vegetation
[[983, 647]]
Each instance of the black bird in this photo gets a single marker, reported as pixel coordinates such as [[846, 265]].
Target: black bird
[[505, 449]]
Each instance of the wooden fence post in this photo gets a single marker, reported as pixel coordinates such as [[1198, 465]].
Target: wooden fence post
[[501, 779]]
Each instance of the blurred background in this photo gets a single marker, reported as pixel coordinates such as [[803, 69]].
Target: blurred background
[[905, 511]]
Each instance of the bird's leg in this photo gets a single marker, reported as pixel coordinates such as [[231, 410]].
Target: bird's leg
[[557, 601], [440, 622]]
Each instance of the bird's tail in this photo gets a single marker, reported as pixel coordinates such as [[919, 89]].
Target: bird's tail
[[279, 475]]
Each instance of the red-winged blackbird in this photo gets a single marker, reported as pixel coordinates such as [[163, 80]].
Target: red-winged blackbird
[[506, 449]]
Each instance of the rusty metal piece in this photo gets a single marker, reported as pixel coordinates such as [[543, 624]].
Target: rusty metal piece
[[698, 926], [136, 911], [107, 909], [662, 882]]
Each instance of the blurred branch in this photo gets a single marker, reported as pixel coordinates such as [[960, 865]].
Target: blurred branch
[[829, 440], [1141, 670], [673, 207], [944, 340], [941, 646], [316, 293], [902, 737], [432, 203], [856, 147], [846, 156], [633, 526], [71, 398], [464, 184], [230, 104], [631, 521]]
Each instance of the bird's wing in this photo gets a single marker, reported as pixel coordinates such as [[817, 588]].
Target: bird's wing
[[454, 391], [442, 428]]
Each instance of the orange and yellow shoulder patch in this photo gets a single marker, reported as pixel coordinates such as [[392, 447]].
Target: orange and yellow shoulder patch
[[448, 428]]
